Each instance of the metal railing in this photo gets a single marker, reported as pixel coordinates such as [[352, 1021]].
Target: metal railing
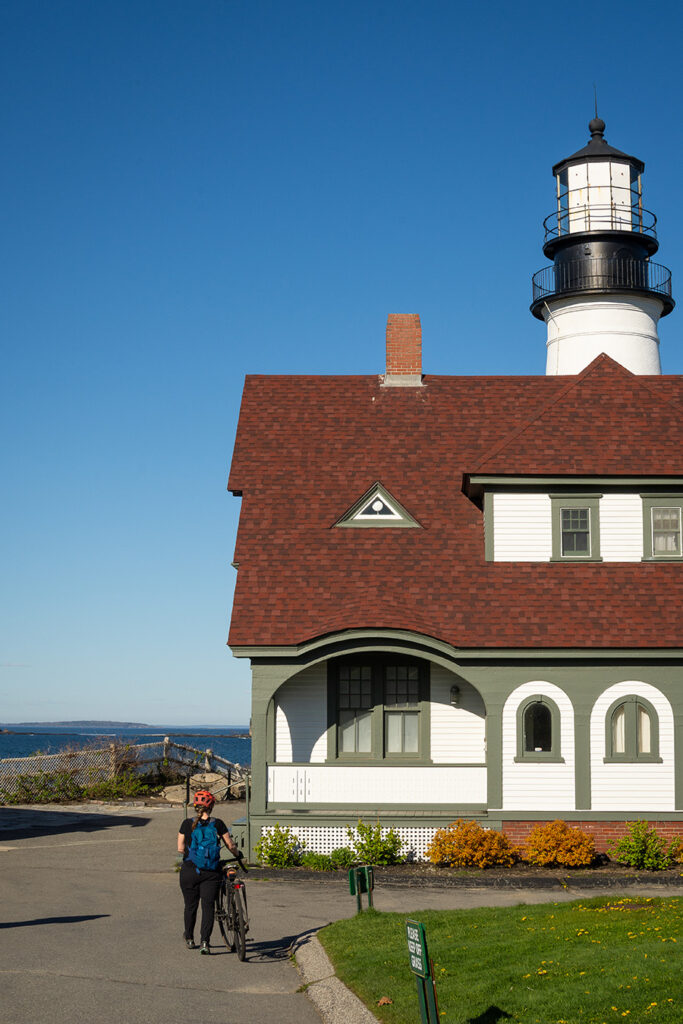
[[600, 208], [602, 274]]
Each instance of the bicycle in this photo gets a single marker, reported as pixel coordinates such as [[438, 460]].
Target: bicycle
[[231, 909]]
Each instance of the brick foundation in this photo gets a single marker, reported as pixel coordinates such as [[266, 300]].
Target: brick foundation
[[605, 833]]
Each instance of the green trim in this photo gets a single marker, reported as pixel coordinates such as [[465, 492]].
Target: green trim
[[448, 810], [582, 758], [406, 521], [651, 501], [386, 763], [270, 729], [573, 481], [573, 501], [550, 815], [494, 751], [631, 755], [678, 759], [320, 648], [489, 542], [552, 755]]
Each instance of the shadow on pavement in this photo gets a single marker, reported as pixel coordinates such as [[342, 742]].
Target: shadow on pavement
[[51, 920], [21, 823], [275, 949]]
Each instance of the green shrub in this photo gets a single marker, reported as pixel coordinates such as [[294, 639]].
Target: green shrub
[[63, 787], [465, 844], [317, 861], [644, 849], [371, 847], [343, 857], [279, 848], [556, 844]]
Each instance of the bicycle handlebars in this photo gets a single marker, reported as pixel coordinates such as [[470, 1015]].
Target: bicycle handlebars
[[235, 860]]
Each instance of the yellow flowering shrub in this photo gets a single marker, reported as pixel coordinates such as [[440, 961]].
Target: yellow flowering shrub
[[465, 844], [557, 844]]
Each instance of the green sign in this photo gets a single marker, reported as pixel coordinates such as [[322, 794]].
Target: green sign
[[417, 948]]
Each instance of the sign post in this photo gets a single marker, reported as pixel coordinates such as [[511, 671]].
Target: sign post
[[361, 879], [421, 966]]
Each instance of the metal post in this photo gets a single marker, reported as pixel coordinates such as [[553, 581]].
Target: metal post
[[247, 783], [187, 794]]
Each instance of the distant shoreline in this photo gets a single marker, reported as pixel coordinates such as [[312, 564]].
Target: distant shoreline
[[171, 732], [161, 729]]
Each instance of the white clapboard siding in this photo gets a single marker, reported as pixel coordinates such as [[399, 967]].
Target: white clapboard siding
[[632, 787], [301, 717], [621, 528], [458, 734], [538, 785], [522, 528], [344, 784]]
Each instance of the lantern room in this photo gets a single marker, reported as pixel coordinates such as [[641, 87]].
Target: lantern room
[[599, 189]]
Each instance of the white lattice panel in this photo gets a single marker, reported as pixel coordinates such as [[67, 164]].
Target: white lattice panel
[[325, 838]]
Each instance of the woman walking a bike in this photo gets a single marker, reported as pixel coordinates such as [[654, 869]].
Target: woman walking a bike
[[199, 841]]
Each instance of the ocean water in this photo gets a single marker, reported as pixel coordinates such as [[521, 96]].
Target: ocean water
[[25, 741]]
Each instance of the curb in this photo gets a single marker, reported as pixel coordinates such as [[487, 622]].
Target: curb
[[335, 1003]]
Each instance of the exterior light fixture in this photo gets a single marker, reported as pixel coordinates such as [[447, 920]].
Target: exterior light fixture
[[455, 696]]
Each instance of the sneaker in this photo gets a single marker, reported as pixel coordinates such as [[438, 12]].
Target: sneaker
[[190, 943], [205, 949]]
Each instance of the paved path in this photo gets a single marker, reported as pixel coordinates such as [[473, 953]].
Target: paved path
[[91, 925]]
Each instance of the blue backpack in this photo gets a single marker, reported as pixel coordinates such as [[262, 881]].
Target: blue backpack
[[205, 847]]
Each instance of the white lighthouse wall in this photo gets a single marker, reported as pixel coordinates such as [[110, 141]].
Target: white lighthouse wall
[[622, 326], [522, 527]]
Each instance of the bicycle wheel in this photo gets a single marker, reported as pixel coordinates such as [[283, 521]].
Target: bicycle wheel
[[223, 902], [239, 925]]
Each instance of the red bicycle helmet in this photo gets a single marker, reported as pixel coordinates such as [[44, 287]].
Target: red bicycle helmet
[[203, 798]]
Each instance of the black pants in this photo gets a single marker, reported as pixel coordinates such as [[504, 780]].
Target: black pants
[[196, 886]]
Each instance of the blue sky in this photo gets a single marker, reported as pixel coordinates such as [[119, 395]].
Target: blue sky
[[193, 191]]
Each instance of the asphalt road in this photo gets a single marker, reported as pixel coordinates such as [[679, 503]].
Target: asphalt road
[[91, 924], [91, 929]]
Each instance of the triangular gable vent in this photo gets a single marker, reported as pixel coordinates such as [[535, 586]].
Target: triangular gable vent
[[377, 508]]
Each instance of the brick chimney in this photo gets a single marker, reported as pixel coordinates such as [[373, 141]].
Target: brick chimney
[[404, 350]]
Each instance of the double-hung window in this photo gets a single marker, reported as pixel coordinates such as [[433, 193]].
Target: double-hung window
[[575, 527], [662, 521], [401, 709], [378, 709], [355, 709]]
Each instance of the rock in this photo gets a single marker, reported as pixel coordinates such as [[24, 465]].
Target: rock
[[206, 780], [217, 784], [174, 794]]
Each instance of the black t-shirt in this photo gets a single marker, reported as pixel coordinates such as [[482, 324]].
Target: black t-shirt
[[186, 830]]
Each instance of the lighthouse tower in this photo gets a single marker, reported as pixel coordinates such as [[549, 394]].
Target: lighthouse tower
[[602, 293]]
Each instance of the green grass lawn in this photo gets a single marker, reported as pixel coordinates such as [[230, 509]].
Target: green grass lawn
[[598, 961]]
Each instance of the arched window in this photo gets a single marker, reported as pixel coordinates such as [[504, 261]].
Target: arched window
[[538, 729], [632, 730]]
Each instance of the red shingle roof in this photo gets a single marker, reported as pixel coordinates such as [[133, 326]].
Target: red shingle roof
[[308, 447]]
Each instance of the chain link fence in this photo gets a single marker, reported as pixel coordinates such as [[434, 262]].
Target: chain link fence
[[89, 766]]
